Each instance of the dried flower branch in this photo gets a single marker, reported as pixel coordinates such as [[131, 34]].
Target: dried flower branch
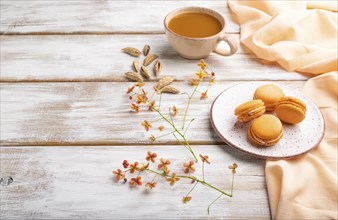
[[171, 177], [140, 97], [164, 85]]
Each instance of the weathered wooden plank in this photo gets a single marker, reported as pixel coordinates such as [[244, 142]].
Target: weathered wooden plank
[[78, 16], [90, 113], [99, 58], [76, 183]]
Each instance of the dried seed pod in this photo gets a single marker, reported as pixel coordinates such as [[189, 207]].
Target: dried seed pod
[[145, 72], [132, 51], [164, 82], [170, 89], [136, 65], [134, 76], [146, 50], [150, 58], [157, 67]]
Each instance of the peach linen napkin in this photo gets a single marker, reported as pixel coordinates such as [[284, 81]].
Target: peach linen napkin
[[300, 36]]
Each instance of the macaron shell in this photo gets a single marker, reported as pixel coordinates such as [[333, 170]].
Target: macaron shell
[[269, 94], [266, 143], [267, 127], [289, 113], [292, 100], [248, 106]]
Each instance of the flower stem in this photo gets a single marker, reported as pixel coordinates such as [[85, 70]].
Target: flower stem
[[165, 134], [181, 142], [151, 97], [178, 132], [188, 126], [232, 183], [159, 103], [203, 170], [154, 178], [191, 189], [156, 120], [213, 203], [193, 178], [188, 104], [171, 117]]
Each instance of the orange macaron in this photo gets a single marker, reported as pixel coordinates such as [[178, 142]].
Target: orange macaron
[[290, 110], [250, 110], [269, 94], [266, 130]]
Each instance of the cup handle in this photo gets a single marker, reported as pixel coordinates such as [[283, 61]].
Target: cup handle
[[230, 41]]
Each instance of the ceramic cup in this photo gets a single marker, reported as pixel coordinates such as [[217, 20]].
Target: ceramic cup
[[197, 48]]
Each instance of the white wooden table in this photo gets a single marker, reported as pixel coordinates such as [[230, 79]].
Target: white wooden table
[[65, 120]]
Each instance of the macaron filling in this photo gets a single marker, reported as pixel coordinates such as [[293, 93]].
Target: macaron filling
[[249, 110], [251, 114]]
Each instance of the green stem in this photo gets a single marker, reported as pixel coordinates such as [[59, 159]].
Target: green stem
[[156, 120], [187, 108], [193, 178], [178, 132], [232, 183], [213, 203], [165, 134], [171, 117], [203, 170], [159, 103], [191, 189], [188, 126], [154, 178], [181, 143], [213, 187], [125, 171], [151, 97]]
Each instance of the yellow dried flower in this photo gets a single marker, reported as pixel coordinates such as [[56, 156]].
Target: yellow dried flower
[[151, 106], [186, 199], [173, 179], [135, 107], [205, 158], [194, 82], [201, 74], [174, 111], [204, 95], [212, 80], [139, 84], [202, 64], [141, 99], [233, 167], [161, 128], [152, 138], [146, 124], [189, 167]]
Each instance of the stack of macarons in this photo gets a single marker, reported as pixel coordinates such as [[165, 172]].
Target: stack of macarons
[[267, 129]]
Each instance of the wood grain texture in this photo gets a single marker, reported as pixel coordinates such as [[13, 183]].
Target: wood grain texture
[[76, 183], [78, 16], [91, 113], [99, 58]]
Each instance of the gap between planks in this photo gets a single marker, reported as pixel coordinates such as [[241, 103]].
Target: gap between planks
[[94, 33], [85, 113]]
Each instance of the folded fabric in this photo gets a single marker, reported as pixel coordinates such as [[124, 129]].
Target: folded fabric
[[300, 36], [287, 33], [306, 187]]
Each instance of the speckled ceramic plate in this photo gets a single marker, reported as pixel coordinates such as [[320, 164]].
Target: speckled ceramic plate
[[297, 139]]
